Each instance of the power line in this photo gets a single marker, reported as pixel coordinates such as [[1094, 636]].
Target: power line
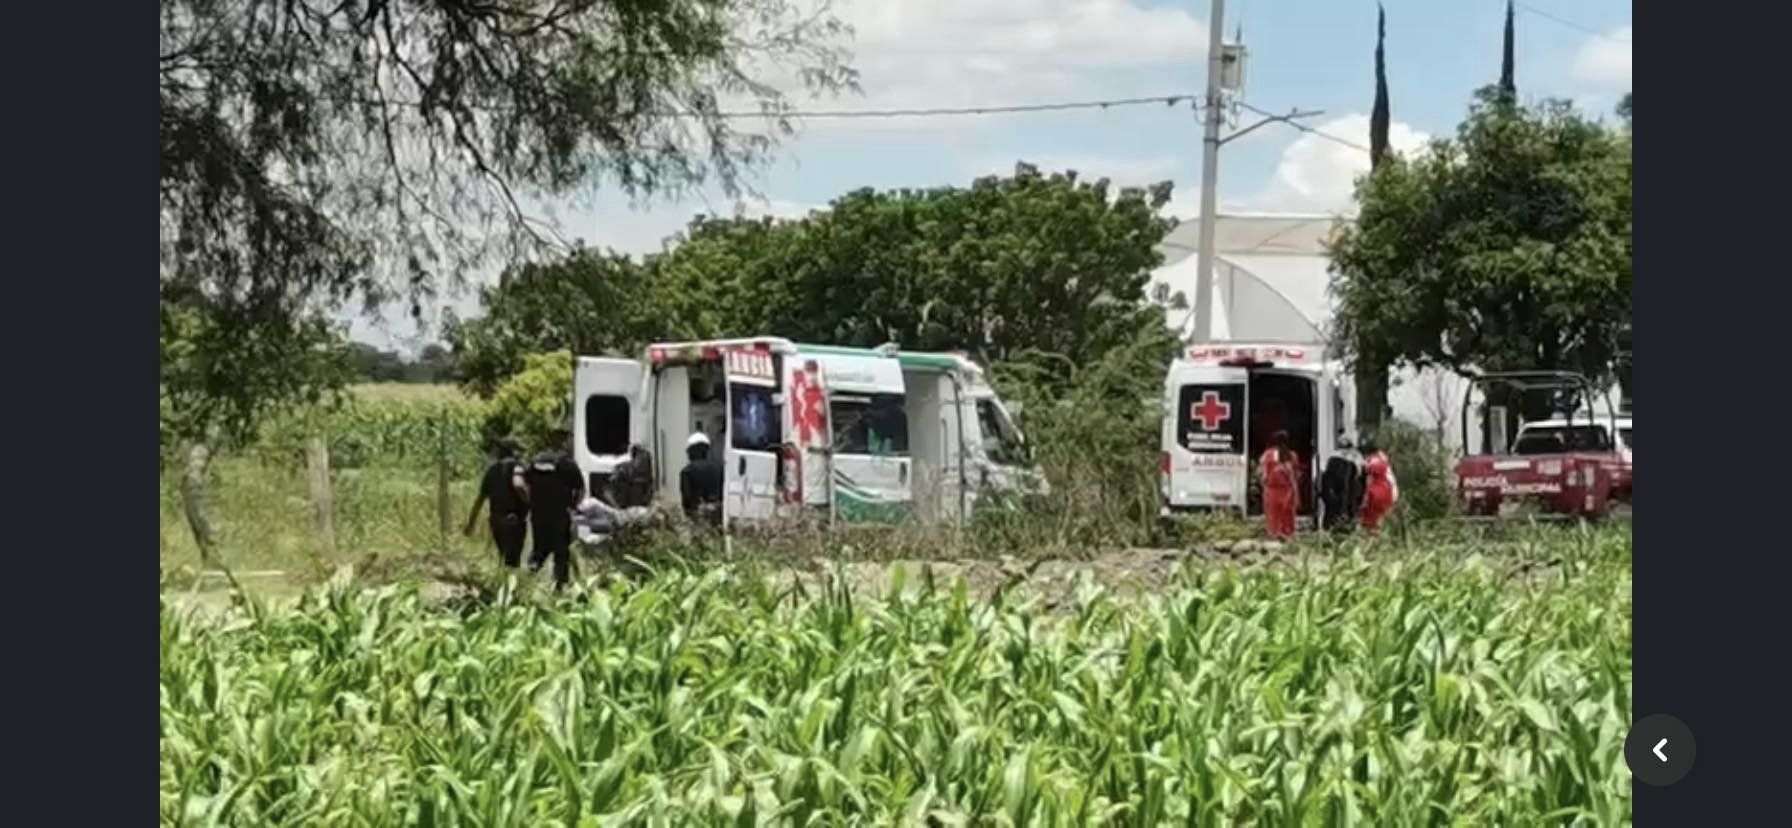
[[1313, 131], [1569, 23], [1168, 100], [847, 114]]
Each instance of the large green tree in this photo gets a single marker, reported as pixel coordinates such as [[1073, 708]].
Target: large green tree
[[1506, 247], [588, 302], [1028, 263], [317, 152], [591, 302]]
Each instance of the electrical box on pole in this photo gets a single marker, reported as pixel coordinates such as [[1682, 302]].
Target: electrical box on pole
[[1232, 59]]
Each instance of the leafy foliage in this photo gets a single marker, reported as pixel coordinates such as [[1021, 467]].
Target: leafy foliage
[[1096, 427], [370, 364], [314, 152], [535, 406], [1378, 112], [1423, 469], [1377, 692], [587, 303], [1024, 263], [398, 434], [1507, 247], [213, 376], [1028, 262]]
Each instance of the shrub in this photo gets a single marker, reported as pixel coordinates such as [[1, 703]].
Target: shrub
[[1094, 429], [1422, 467], [535, 404]]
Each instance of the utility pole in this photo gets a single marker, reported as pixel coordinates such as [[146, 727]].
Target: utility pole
[[1210, 169]]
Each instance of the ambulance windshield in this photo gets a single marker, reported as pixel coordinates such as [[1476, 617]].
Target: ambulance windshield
[[1000, 438]]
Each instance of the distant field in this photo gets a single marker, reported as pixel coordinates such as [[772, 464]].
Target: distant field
[[407, 392]]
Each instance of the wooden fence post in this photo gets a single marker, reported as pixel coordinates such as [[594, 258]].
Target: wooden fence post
[[317, 472], [444, 507], [194, 473]]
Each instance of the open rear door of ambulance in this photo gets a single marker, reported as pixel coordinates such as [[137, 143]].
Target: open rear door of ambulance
[[755, 436], [606, 416], [1204, 460]]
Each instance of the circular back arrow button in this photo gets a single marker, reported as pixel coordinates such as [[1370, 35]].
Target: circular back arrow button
[[1659, 750]]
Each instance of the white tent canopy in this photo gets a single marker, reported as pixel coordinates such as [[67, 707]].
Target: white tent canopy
[[1298, 234], [1270, 276]]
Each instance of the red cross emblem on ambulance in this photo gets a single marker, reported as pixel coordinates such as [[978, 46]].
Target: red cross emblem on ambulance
[[1211, 410]]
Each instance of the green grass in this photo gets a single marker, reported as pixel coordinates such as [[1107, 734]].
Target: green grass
[[264, 520], [1414, 685]]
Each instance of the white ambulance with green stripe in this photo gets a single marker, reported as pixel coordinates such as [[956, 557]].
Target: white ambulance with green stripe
[[806, 432], [868, 409], [918, 434]]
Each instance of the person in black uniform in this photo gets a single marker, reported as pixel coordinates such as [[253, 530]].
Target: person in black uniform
[[501, 487], [631, 484], [700, 484], [1341, 487], [555, 487]]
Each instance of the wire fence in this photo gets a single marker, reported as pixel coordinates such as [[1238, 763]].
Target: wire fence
[[367, 486]]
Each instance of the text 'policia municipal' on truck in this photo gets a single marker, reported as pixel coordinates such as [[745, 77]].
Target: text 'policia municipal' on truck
[[807, 432]]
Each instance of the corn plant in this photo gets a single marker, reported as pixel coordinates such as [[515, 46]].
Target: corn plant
[[382, 433], [1427, 687]]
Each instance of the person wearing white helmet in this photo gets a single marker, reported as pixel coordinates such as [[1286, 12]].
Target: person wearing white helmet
[[700, 484]]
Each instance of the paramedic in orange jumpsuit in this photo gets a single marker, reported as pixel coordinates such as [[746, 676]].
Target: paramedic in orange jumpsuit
[[1379, 490], [1280, 486]]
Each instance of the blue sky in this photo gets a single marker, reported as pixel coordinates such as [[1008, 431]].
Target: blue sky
[[1306, 54]]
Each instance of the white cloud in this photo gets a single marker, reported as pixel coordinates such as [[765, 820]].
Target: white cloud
[[1008, 36], [1603, 62], [608, 222], [1318, 173], [928, 54], [914, 54]]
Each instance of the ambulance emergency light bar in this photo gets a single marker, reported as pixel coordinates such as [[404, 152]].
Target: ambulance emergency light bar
[[1246, 356], [690, 354]]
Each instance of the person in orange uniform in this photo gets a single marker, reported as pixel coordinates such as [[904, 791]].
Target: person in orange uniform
[[1380, 490], [1280, 486]]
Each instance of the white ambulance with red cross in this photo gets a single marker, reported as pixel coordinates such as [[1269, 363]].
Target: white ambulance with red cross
[[1222, 404]]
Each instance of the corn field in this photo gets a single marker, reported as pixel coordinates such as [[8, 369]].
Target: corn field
[[1381, 687], [372, 432]]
